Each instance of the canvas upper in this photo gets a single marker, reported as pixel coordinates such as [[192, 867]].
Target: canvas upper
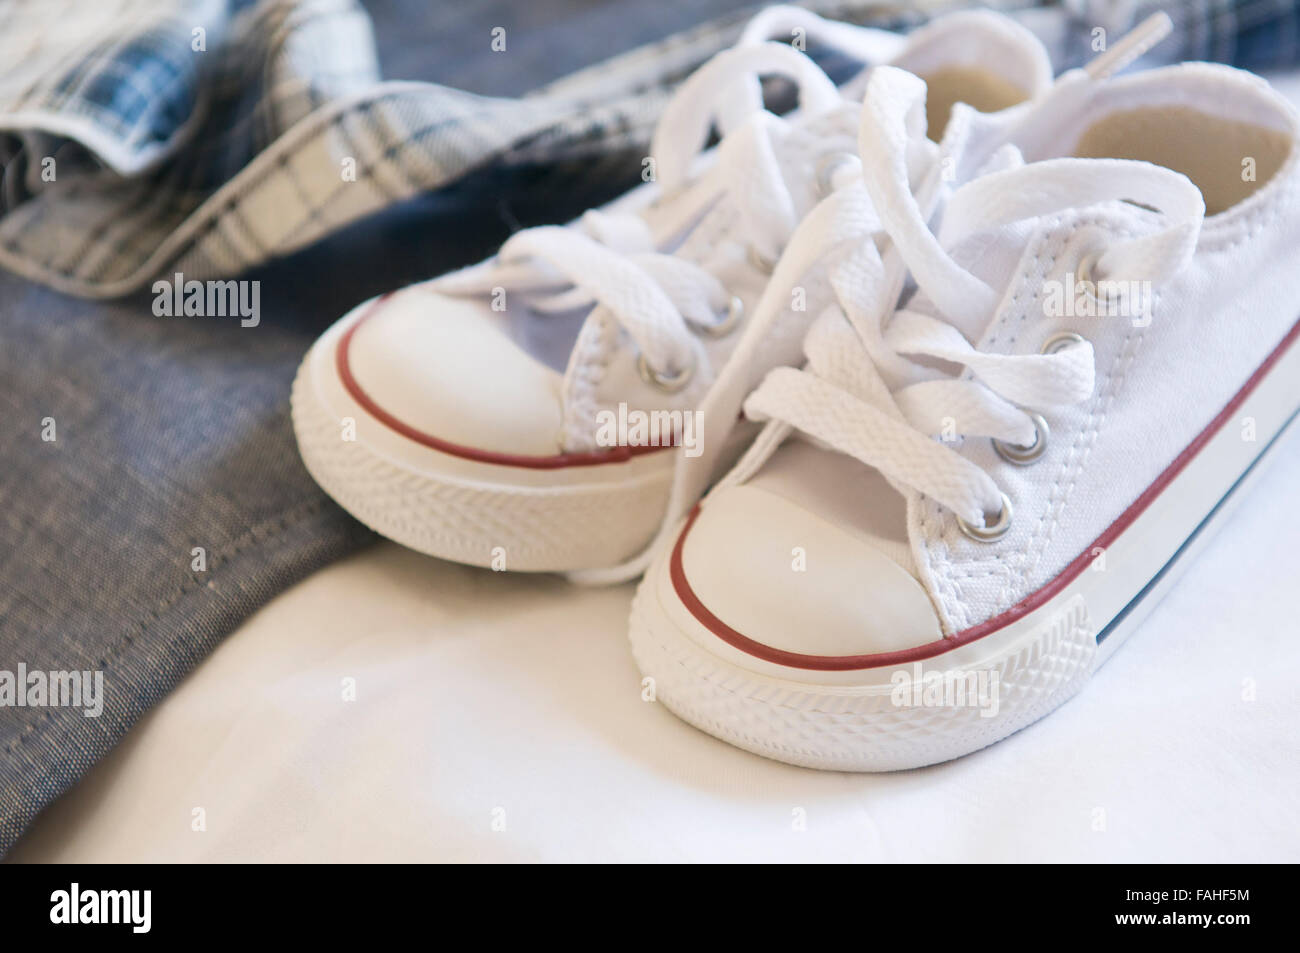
[[1179, 185], [519, 355]]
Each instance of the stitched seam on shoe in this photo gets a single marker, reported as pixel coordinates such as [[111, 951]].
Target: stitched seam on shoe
[[1077, 455], [944, 570], [1084, 442]]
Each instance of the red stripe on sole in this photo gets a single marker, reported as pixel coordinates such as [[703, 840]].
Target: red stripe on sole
[[1036, 599], [551, 462]]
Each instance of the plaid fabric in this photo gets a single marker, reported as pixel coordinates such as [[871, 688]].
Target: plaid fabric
[[1258, 35], [275, 134], [208, 137]]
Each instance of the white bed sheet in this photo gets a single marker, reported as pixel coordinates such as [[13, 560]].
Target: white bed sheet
[[499, 718], [484, 697]]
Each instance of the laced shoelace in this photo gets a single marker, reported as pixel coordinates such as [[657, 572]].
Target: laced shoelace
[[867, 391], [611, 260], [871, 399]]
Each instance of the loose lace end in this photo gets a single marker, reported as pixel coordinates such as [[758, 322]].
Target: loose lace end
[[1131, 46]]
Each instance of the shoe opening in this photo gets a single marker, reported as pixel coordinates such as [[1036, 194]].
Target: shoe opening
[[971, 85], [1227, 159], [1226, 130]]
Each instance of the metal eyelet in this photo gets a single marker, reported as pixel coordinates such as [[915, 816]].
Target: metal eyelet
[[728, 323], [1085, 272], [1087, 264], [760, 261], [1022, 456], [989, 532], [669, 383], [826, 168], [1061, 340]]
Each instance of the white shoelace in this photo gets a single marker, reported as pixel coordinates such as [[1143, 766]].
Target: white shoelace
[[612, 261], [843, 220], [864, 393], [861, 392]]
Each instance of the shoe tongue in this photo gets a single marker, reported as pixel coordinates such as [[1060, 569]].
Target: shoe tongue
[[992, 255], [807, 150]]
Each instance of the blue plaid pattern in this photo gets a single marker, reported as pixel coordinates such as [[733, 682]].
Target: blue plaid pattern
[[211, 161]]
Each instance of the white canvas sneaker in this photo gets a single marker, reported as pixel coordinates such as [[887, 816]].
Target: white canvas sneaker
[[520, 413], [1013, 430]]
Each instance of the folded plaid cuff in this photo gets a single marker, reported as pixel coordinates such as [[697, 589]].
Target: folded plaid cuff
[[208, 137]]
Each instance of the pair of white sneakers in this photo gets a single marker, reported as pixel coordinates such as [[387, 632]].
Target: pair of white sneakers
[[970, 357]]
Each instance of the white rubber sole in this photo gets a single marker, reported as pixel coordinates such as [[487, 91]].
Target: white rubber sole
[[878, 719], [483, 514]]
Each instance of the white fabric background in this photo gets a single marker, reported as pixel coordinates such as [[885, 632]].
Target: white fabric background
[[480, 692]]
